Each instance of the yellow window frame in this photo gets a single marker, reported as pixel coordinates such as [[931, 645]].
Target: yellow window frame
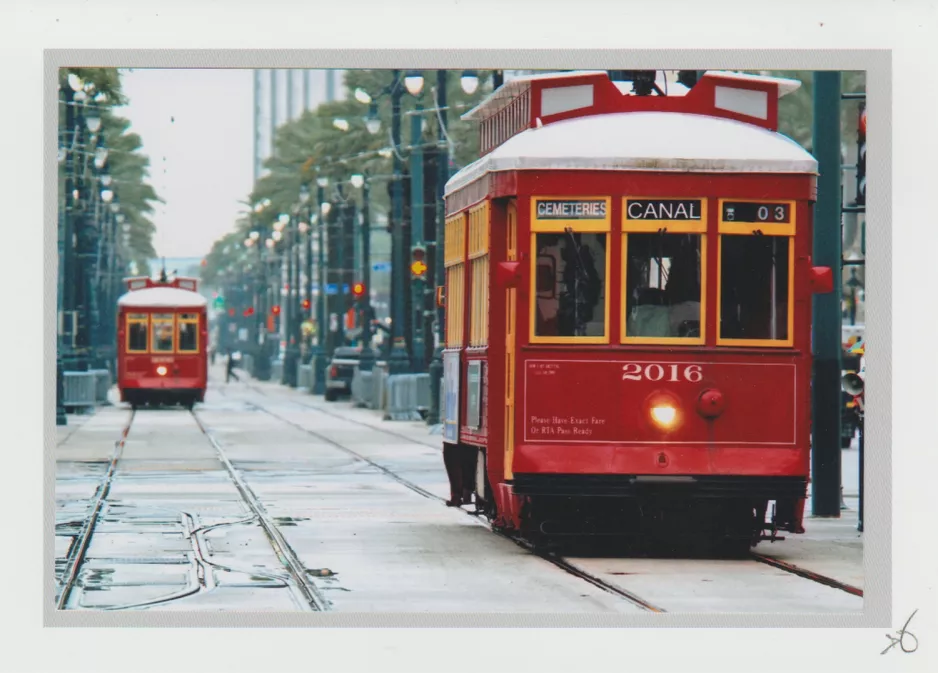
[[579, 226], [479, 231], [190, 321], [153, 323], [454, 255], [771, 343], [671, 227], [130, 320]]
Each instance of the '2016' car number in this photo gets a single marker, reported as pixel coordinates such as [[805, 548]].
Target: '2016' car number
[[633, 371]]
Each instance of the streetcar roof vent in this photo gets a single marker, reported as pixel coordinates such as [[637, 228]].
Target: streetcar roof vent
[[162, 296], [521, 103], [145, 282]]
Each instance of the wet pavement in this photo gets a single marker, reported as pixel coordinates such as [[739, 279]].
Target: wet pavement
[[357, 501]]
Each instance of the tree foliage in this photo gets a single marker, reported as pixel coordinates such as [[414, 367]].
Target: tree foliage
[[312, 146], [126, 164]]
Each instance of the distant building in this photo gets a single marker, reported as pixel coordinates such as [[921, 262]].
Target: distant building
[[282, 95]]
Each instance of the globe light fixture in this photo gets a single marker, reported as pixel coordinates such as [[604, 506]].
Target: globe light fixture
[[362, 96], [93, 122], [303, 227], [119, 218], [80, 96], [75, 82], [248, 242], [304, 193], [277, 235], [255, 235], [322, 182], [115, 207], [283, 219], [100, 156], [373, 121], [107, 195], [106, 180], [357, 180], [269, 243], [326, 207], [469, 81], [341, 124], [101, 98], [413, 82]]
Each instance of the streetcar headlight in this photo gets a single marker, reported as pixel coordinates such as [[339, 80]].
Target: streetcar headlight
[[161, 370], [664, 415]]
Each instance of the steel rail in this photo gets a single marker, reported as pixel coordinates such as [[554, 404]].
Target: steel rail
[[284, 552], [546, 556], [806, 574], [76, 555]]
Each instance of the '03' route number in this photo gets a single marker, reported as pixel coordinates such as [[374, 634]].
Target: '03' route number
[[633, 371]]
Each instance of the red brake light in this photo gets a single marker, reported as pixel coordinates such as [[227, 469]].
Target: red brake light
[[334, 371]]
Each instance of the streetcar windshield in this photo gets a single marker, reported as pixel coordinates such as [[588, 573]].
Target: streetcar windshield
[[754, 287], [571, 285], [163, 332], [188, 337], [137, 333], [662, 285]]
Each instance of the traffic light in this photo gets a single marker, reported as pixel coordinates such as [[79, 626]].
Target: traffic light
[[248, 312], [231, 312], [275, 310], [358, 290], [418, 262], [861, 157], [306, 304]]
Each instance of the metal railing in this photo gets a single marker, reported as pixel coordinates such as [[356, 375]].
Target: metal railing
[[79, 390], [408, 397]]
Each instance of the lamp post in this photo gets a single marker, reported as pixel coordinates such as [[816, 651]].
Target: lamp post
[[308, 286], [469, 82], [318, 355], [412, 81], [290, 308], [367, 358], [258, 239]]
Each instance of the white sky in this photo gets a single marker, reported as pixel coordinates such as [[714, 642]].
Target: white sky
[[196, 127]]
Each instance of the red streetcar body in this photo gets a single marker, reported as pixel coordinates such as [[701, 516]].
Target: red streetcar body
[[162, 337], [628, 298]]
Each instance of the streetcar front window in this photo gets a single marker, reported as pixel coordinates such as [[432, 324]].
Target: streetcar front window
[[187, 337], [754, 287], [663, 285], [137, 333], [571, 285], [162, 333]]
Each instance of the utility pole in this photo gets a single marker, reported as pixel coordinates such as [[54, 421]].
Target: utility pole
[[827, 324], [415, 312], [367, 358], [318, 358], [398, 362], [436, 256]]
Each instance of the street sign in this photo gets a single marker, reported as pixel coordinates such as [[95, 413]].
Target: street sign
[[332, 288], [219, 303], [381, 266]]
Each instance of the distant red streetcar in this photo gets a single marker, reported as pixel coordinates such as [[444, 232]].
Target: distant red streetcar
[[162, 338], [628, 311]]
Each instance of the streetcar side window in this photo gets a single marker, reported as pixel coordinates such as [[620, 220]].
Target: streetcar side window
[[755, 277], [137, 333], [663, 288], [454, 254], [187, 333], [162, 340], [570, 284]]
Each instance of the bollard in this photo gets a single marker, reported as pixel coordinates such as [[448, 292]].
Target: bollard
[[304, 377]]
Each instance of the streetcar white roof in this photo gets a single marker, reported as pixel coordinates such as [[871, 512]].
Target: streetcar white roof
[[644, 141], [168, 297]]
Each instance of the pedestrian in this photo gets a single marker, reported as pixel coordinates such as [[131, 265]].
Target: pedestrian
[[229, 370]]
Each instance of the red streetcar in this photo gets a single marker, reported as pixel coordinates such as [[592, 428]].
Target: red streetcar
[[628, 311], [162, 336]]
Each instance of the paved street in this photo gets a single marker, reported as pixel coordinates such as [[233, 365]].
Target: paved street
[[303, 505]]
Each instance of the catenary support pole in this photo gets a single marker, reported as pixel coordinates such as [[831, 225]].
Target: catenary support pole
[[827, 400], [436, 254]]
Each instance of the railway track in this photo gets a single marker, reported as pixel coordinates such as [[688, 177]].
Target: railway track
[[551, 557], [295, 574]]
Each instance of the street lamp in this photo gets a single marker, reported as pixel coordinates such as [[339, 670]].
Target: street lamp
[[317, 355], [413, 82], [469, 81]]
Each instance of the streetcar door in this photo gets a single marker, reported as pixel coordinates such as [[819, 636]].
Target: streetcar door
[[511, 314]]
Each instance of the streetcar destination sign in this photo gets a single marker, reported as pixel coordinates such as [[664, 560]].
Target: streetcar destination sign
[[749, 211], [579, 209], [663, 209]]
